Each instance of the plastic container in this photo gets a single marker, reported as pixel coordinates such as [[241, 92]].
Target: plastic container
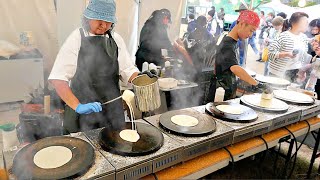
[[3, 169], [168, 69], [152, 66], [145, 66], [167, 64], [164, 52], [9, 136], [219, 95]]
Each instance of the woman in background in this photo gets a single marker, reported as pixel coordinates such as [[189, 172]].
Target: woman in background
[[287, 52]]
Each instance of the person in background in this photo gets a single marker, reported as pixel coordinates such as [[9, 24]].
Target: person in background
[[287, 54], [274, 33], [306, 72], [262, 19], [153, 38], [212, 11], [215, 26], [227, 66], [240, 43], [202, 38], [314, 29], [201, 33], [252, 43], [270, 17], [286, 24], [192, 23], [310, 71], [91, 60], [283, 15], [316, 48], [221, 15], [263, 33]]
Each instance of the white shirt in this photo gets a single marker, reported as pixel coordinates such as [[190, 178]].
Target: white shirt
[[66, 62], [287, 42], [214, 23]]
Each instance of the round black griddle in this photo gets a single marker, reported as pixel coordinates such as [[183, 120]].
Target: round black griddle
[[248, 115], [151, 140], [205, 126], [82, 159]]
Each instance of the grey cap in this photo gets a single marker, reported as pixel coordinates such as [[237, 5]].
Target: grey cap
[[242, 7]]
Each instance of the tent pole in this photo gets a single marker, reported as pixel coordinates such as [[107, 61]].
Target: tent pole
[[139, 8]]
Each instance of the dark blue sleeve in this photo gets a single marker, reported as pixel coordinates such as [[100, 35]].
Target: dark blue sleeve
[[233, 25], [191, 26]]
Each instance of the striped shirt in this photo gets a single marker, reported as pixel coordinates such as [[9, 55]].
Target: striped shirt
[[287, 42]]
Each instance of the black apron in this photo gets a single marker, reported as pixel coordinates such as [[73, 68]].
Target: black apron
[[227, 81], [96, 80]]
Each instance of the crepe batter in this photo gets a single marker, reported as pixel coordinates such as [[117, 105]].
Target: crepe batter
[[129, 135], [52, 157], [184, 120], [230, 109]]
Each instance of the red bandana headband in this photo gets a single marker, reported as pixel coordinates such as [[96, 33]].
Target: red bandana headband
[[249, 17]]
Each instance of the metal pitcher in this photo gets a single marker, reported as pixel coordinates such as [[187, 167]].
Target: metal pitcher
[[147, 93]]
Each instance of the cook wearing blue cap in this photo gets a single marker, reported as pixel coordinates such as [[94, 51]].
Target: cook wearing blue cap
[[103, 10], [91, 60]]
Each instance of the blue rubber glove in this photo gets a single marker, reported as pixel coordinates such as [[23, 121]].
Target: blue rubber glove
[[89, 108]]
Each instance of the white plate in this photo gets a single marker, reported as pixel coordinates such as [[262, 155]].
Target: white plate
[[168, 83]]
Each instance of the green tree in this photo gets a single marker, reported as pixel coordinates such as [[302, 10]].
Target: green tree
[[294, 3]]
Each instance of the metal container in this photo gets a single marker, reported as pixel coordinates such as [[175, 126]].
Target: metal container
[[147, 93]]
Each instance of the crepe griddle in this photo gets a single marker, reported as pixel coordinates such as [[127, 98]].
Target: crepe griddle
[[281, 94], [81, 161], [248, 115], [205, 126], [273, 81], [151, 140], [255, 97]]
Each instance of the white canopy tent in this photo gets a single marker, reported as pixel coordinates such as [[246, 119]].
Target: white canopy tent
[[50, 26], [277, 6], [312, 11]]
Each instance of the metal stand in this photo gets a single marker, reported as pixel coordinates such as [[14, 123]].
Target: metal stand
[[288, 158], [316, 136]]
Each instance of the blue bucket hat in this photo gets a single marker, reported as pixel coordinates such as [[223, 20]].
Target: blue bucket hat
[[104, 10]]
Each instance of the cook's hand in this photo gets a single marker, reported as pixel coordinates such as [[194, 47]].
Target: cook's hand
[[263, 87], [89, 108], [152, 73]]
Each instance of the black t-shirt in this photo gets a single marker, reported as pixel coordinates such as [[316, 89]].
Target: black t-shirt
[[226, 56]]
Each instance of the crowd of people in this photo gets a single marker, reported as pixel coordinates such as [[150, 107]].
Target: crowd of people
[[287, 44], [283, 44]]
